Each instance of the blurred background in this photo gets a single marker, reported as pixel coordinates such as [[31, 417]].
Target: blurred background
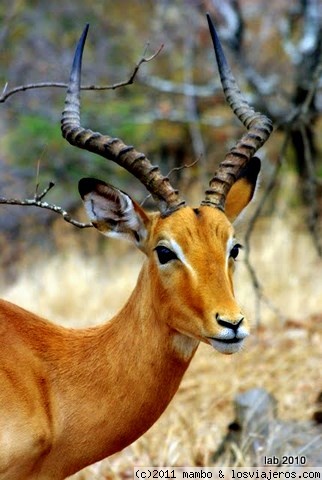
[[176, 114]]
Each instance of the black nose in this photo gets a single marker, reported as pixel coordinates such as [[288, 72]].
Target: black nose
[[229, 324]]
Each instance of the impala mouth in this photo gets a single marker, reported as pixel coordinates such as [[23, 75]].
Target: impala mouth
[[231, 340], [226, 345]]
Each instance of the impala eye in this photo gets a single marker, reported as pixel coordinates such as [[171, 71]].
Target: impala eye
[[235, 251], [165, 255]]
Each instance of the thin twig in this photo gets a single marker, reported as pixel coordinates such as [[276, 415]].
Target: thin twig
[[38, 171], [298, 115], [37, 202], [182, 167], [301, 117], [311, 191], [21, 88], [316, 77], [137, 66], [260, 296], [39, 196], [174, 169]]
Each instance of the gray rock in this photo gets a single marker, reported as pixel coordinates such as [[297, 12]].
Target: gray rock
[[257, 434]]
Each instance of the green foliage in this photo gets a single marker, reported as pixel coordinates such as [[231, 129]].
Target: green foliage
[[31, 134], [34, 138]]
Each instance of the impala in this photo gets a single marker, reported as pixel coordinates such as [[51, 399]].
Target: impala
[[69, 397]]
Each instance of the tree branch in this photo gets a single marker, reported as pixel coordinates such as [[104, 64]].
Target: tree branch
[[36, 201], [311, 192], [21, 88], [174, 169], [257, 286]]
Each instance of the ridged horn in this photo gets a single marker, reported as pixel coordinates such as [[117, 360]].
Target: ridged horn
[[166, 197], [258, 125]]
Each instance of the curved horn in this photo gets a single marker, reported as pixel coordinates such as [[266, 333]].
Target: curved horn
[[258, 125], [114, 149]]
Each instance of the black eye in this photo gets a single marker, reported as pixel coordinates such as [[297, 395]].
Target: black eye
[[165, 254], [235, 251]]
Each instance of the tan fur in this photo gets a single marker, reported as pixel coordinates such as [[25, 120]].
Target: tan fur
[[69, 398]]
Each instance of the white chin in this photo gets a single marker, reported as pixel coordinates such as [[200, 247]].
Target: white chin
[[227, 348]]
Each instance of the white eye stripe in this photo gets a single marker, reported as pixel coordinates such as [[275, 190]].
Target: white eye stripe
[[230, 243], [175, 247]]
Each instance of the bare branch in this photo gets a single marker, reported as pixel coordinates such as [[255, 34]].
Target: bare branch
[[36, 201], [182, 167], [143, 59], [260, 296], [40, 196], [311, 192], [21, 88], [174, 169], [316, 77]]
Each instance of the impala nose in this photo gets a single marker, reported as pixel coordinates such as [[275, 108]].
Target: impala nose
[[227, 323], [231, 335]]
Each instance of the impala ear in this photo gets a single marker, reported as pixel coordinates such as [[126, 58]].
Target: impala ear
[[113, 212], [243, 189]]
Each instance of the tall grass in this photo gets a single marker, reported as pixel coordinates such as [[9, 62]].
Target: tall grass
[[283, 355]]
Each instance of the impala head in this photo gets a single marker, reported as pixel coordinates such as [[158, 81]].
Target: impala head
[[190, 251]]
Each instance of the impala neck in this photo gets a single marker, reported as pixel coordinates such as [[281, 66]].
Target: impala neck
[[125, 373]]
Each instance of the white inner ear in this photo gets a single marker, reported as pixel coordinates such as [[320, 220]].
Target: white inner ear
[[130, 216], [117, 213], [97, 207]]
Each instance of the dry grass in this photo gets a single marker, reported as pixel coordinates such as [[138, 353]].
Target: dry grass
[[285, 358]]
